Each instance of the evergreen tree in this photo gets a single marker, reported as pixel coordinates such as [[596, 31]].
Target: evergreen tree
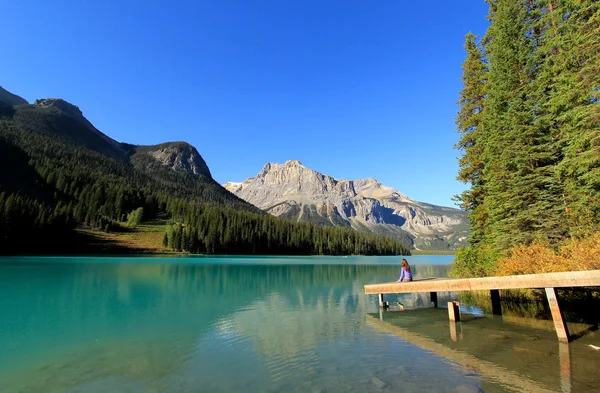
[[519, 154], [468, 121], [135, 217]]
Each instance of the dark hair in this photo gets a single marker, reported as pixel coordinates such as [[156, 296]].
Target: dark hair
[[405, 265]]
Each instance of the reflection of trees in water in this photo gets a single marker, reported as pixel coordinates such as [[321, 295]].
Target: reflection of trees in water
[[214, 278]]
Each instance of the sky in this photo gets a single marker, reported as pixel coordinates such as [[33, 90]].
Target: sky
[[352, 89]]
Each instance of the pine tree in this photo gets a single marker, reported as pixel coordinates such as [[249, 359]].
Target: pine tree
[[521, 194], [468, 121]]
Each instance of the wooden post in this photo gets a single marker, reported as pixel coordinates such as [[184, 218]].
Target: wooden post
[[496, 307], [381, 302], [454, 311], [559, 323], [434, 298]]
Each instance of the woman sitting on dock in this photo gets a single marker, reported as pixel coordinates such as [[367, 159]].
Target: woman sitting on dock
[[405, 271]]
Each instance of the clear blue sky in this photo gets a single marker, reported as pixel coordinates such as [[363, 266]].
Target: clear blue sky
[[352, 89]]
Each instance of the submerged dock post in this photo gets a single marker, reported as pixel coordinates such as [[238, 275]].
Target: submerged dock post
[[559, 322], [381, 302], [496, 307], [564, 355], [434, 298], [454, 311], [453, 335]]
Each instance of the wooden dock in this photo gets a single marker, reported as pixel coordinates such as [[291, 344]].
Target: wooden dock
[[547, 281]]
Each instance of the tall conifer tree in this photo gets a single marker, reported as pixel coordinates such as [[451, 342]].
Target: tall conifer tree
[[519, 154], [468, 121]]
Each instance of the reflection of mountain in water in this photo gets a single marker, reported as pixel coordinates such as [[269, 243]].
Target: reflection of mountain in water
[[287, 330]]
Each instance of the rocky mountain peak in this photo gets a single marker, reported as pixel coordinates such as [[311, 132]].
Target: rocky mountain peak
[[61, 105], [292, 163], [179, 156], [271, 167], [368, 181]]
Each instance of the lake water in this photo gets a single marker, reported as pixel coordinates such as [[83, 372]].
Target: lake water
[[261, 324]]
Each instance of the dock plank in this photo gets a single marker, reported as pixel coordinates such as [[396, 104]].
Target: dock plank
[[586, 278]]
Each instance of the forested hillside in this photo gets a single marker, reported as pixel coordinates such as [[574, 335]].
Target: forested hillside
[[530, 130], [60, 174]]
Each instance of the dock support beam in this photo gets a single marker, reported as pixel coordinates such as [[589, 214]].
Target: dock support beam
[[559, 322], [434, 299], [382, 304], [454, 311], [496, 307]]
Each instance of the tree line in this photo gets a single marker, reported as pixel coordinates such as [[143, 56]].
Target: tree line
[[529, 124], [207, 229]]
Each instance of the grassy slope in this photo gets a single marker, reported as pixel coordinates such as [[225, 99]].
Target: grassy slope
[[143, 239]]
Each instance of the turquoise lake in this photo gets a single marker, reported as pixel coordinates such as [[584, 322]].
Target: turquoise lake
[[262, 324]]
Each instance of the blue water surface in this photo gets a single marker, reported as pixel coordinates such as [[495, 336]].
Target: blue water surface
[[214, 324]]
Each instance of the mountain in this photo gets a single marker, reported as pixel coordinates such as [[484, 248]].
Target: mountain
[[57, 116], [66, 187], [293, 191], [54, 115], [9, 99], [178, 156], [175, 167]]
